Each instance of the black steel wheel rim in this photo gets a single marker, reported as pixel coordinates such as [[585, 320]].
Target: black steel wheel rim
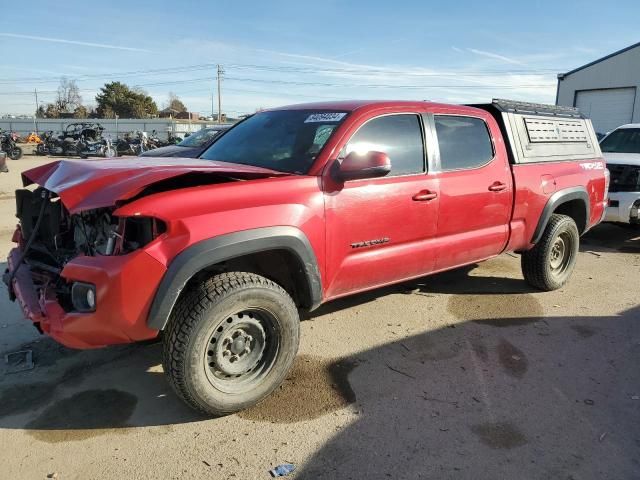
[[241, 350], [560, 254]]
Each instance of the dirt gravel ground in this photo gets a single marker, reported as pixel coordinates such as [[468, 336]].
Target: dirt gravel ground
[[468, 374]]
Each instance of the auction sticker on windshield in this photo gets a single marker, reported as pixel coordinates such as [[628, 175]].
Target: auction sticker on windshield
[[325, 117]]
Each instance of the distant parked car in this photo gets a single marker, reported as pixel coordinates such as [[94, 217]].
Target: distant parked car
[[191, 147], [621, 150]]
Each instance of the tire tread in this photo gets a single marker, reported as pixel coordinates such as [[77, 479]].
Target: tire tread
[[533, 262], [188, 312]]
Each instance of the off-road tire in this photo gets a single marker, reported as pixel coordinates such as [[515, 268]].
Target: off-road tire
[[537, 263], [200, 313]]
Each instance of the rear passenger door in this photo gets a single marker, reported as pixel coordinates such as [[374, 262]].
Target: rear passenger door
[[476, 190]]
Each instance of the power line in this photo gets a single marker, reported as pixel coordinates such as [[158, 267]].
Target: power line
[[341, 85], [387, 71], [274, 68], [83, 77], [369, 71], [315, 84]]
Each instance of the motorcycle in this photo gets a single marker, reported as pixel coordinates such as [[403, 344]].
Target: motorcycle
[[70, 143], [51, 144], [134, 143], [153, 141], [8, 144], [97, 148]]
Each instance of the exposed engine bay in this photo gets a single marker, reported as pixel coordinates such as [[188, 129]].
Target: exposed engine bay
[[60, 236]]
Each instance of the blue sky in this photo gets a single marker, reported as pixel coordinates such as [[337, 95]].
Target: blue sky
[[283, 52]]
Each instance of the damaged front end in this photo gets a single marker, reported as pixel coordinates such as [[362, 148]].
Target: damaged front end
[[83, 274], [65, 264]]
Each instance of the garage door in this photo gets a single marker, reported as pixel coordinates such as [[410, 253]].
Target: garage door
[[607, 108]]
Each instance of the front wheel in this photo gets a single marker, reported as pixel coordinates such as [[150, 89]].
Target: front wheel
[[230, 342], [15, 153], [549, 264]]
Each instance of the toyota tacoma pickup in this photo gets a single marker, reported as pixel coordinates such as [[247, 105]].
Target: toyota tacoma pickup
[[288, 209]]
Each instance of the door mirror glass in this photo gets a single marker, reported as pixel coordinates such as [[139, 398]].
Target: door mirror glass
[[357, 166]]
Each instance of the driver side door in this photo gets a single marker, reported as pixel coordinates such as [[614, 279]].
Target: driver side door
[[381, 230]]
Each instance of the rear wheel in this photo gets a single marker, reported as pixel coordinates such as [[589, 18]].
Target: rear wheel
[[549, 264], [230, 342]]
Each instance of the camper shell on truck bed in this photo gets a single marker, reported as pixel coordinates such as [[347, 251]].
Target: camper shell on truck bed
[[543, 133]]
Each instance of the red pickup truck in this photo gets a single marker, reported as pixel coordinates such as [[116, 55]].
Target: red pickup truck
[[291, 208]]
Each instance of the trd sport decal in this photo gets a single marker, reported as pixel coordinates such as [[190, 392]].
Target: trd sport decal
[[370, 243]]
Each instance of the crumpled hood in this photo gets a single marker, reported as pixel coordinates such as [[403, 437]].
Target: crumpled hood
[[88, 184]]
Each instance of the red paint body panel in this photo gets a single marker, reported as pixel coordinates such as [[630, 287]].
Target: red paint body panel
[[530, 200], [473, 220], [463, 220], [378, 209], [124, 290]]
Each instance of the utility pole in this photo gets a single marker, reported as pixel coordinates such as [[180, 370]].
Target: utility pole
[[220, 71], [35, 117]]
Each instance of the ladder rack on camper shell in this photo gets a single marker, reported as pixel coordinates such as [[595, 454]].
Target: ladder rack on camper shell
[[513, 106]]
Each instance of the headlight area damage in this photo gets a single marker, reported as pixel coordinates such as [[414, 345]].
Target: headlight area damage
[[82, 274], [65, 264]]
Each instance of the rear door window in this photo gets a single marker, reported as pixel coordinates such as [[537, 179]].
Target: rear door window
[[464, 142]]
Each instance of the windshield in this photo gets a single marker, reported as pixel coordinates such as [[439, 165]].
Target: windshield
[[625, 140], [199, 138], [283, 140]]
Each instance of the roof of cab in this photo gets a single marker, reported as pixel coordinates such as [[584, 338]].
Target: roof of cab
[[351, 105]]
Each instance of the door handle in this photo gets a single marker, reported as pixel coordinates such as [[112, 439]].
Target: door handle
[[425, 196], [497, 187]]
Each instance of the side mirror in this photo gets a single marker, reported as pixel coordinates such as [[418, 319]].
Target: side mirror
[[3, 162], [356, 166]]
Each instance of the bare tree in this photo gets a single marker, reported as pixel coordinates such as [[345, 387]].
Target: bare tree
[[175, 103], [69, 98]]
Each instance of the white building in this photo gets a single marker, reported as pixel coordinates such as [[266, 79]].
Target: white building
[[605, 90]]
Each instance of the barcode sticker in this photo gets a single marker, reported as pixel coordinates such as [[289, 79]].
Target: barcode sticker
[[325, 117]]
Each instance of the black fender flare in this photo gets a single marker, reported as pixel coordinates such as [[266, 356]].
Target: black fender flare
[[558, 198], [225, 247]]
